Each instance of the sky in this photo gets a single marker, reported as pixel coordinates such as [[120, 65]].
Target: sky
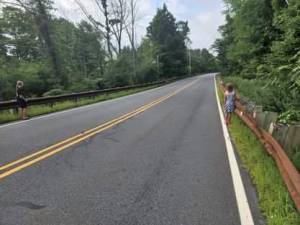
[[204, 16]]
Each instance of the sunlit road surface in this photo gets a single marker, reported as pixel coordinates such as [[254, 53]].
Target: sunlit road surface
[[153, 158]]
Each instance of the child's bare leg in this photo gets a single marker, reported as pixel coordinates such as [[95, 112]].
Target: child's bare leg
[[229, 118], [20, 113], [24, 113], [226, 118]]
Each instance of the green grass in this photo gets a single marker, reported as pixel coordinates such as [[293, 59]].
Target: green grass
[[294, 155], [7, 116], [274, 199]]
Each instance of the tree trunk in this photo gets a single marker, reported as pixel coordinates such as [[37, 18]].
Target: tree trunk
[[42, 21]]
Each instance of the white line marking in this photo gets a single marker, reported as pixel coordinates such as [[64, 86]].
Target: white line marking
[[241, 198]]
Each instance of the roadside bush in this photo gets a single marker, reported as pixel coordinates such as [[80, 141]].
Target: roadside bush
[[32, 74], [87, 84], [289, 117], [270, 96], [119, 72], [257, 91], [54, 92]]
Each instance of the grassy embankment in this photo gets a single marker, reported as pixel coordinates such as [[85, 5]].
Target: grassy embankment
[[7, 116], [274, 199]]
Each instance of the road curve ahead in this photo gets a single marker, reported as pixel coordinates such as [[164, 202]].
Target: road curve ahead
[[163, 163]]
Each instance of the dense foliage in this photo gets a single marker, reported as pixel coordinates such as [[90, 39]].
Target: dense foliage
[[170, 38], [59, 55], [203, 61], [261, 41], [54, 56]]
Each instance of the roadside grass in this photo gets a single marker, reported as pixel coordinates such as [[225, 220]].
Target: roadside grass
[[274, 199], [8, 116]]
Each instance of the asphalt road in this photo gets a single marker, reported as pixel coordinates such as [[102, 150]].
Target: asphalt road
[[166, 166]]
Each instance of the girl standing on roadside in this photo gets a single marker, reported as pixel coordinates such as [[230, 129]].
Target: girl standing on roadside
[[21, 100], [229, 102]]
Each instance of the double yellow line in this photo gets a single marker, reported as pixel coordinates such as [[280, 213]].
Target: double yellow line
[[27, 161]]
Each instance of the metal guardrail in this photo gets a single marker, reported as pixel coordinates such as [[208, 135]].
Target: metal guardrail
[[286, 168], [12, 104]]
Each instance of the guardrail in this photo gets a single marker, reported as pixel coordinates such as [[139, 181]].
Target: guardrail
[[12, 104], [287, 169]]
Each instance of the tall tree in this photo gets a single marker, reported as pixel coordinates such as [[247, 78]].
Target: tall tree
[[170, 37], [284, 59], [19, 34], [222, 46], [131, 23], [261, 40], [41, 11], [118, 21], [203, 61], [130, 27], [88, 51], [42, 17], [107, 24]]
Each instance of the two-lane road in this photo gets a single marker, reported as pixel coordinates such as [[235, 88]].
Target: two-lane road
[[165, 163]]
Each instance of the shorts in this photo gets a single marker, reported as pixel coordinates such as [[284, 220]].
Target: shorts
[[229, 108], [22, 103]]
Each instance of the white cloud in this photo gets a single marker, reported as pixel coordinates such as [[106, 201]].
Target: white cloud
[[177, 7], [204, 28], [146, 11], [203, 24], [68, 9]]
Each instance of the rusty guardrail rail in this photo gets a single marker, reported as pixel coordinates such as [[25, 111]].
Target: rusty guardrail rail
[[12, 104], [287, 169]]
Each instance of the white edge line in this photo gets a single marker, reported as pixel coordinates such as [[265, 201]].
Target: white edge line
[[241, 197]]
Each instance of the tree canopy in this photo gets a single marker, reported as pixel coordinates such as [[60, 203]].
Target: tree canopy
[[261, 40], [170, 38], [53, 55]]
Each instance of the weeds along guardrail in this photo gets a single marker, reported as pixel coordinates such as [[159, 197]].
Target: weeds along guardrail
[[12, 104], [287, 169]]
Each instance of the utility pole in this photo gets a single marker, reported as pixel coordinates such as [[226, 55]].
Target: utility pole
[[190, 62], [157, 63], [189, 56]]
